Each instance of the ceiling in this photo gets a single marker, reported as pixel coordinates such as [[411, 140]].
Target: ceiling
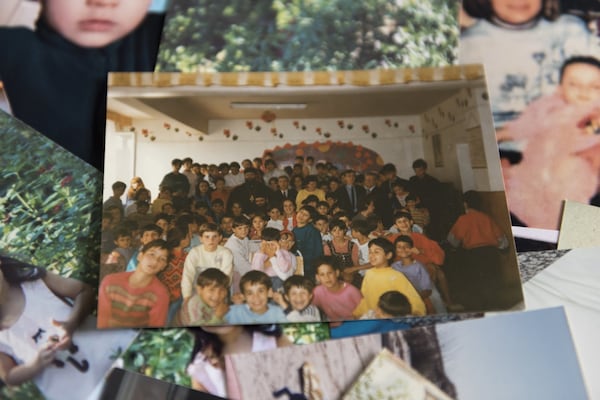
[[196, 106]]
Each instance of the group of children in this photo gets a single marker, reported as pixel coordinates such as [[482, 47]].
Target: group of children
[[305, 264]]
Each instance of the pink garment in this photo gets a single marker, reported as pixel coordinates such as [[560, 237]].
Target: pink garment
[[337, 306], [560, 160], [281, 264]]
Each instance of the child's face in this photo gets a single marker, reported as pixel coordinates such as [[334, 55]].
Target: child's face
[[403, 250], [322, 209], [398, 190], [299, 298], [327, 276], [516, 11], [322, 226], [227, 224], [153, 260], [94, 23], [274, 214], [212, 295], [303, 217], [236, 209], [241, 231], [288, 207], [403, 224], [203, 187], [123, 242], [580, 84], [257, 296], [286, 242], [163, 224], [210, 240], [149, 236], [378, 257], [338, 233], [218, 208], [258, 223]]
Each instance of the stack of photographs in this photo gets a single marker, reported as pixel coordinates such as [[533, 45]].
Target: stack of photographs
[[301, 199]]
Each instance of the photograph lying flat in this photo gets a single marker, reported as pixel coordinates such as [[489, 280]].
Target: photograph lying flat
[[274, 35], [49, 237], [302, 197], [497, 357]]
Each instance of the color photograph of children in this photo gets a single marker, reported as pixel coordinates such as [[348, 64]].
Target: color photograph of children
[[48, 270], [544, 99], [345, 195]]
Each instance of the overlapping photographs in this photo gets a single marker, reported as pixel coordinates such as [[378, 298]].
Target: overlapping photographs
[[49, 205], [467, 360], [303, 198], [544, 96]]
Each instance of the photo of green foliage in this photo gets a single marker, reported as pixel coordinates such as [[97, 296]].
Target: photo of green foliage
[[50, 204], [49, 211], [307, 35], [165, 353]]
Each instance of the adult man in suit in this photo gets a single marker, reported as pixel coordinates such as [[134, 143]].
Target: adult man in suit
[[389, 174], [350, 196], [382, 203], [283, 192]]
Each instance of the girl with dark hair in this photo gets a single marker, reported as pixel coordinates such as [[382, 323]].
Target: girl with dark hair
[[213, 343], [39, 312]]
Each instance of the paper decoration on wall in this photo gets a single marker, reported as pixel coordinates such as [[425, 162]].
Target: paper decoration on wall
[[345, 155], [268, 116]]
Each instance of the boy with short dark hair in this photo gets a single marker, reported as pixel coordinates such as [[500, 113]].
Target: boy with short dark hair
[[118, 189], [322, 224], [123, 250], [210, 254], [392, 304], [149, 233], [417, 274], [308, 239], [296, 300], [256, 290], [239, 245], [208, 304]]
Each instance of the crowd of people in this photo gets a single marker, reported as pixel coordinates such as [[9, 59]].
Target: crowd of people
[[255, 243]]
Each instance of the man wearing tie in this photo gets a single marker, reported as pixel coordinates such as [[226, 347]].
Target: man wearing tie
[[350, 196], [283, 192]]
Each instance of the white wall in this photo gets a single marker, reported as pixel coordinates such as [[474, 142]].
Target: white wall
[[151, 159], [400, 141], [452, 120]]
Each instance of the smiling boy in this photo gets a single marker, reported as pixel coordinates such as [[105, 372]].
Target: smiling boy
[[297, 298], [256, 290], [137, 298], [208, 305]]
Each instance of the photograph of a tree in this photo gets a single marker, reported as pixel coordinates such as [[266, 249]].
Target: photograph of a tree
[[307, 35]]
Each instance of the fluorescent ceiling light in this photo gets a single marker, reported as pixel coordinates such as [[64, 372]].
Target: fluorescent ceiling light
[[268, 106]]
